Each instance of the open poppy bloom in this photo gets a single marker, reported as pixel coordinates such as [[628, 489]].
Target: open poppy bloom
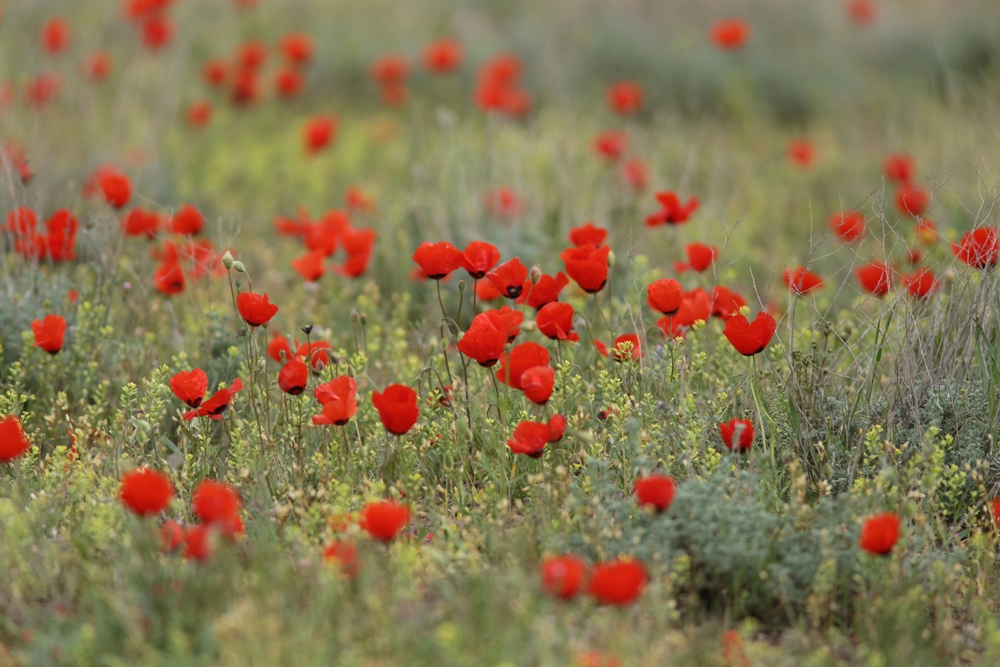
[[255, 309], [115, 186], [673, 211], [293, 376], [737, 435], [529, 438], [215, 503], [509, 278], [310, 266], [879, 534], [801, 281], [442, 56], [618, 582], [145, 492], [557, 428], [801, 153], [611, 145], [297, 48], [317, 352], [140, 222], [524, 356], [319, 133], [383, 519], [626, 346], [921, 284], [49, 332], [545, 291], [563, 576], [279, 346], [215, 406], [696, 306], [700, 257], [485, 340], [588, 234], [750, 338], [479, 258], [588, 266], [188, 220], [55, 35], [13, 442], [656, 491], [625, 97], [664, 295], [725, 302], [169, 278], [731, 34], [978, 248], [537, 384], [339, 400], [510, 320], [875, 278], [912, 200], [437, 260], [849, 226], [190, 386], [397, 408], [899, 168], [555, 321]]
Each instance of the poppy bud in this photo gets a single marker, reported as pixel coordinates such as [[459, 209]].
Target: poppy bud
[[354, 316], [364, 319], [611, 259], [461, 286], [238, 267], [227, 260], [535, 274], [306, 329], [444, 343]]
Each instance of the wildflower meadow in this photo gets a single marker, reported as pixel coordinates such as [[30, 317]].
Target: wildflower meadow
[[499, 333]]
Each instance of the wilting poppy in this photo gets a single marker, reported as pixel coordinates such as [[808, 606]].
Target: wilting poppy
[[912, 200], [509, 278], [49, 332], [655, 490], [737, 435], [731, 34], [116, 187], [588, 266], [293, 376], [345, 555], [618, 582], [255, 309], [849, 226], [529, 438], [485, 340], [664, 295], [190, 386], [700, 257], [899, 168], [673, 212], [801, 281], [801, 153], [563, 576], [921, 284], [217, 404], [555, 321], [879, 534], [383, 519], [13, 442], [319, 132], [297, 47], [438, 259], [611, 144], [537, 384], [55, 35], [875, 278], [397, 408], [545, 291], [625, 97], [750, 338], [339, 400], [522, 357], [978, 248], [145, 492], [443, 56], [588, 234], [479, 257]]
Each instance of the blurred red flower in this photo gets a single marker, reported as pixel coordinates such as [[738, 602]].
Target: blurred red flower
[[618, 582], [730, 34], [625, 97], [443, 56], [801, 281], [921, 284], [875, 278], [899, 168], [737, 435], [563, 576], [912, 200], [384, 519], [215, 502], [879, 534], [55, 35], [848, 226], [978, 248], [397, 408], [611, 144], [673, 211], [801, 153], [13, 442], [49, 333], [145, 492], [655, 490], [319, 132]]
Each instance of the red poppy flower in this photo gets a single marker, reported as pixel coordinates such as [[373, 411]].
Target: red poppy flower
[[875, 278], [978, 248], [99, 66], [279, 345], [190, 386], [879, 534], [524, 356], [555, 321], [750, 338], [310, 266], [563, 576], [626, 346], [656, 491], [538, 383], [545, 291], [725, 302], [140, 222], [801, 153], [479, 257], [912, 200], [214, 72], [437, 260], [13, 442], [731, 34], [849, 226], [509, 278], [443, 56], [588, 234], [251, 54], [588, 266], [297, 47], [529, 438], [318, 351], [169, 278], [116, 187], [485, 291], [861, 12], [737, 435], [187, 220], [199, 543], [625, 97], [55, 35], [673, 211], [485, 340], [383, 519], [899, 168], [199, 113], [700, 257], [156, 31], [358, 244], [618, 582], [557, 428], [397, 408], [390, 70], [502, 203], [510, 321], [217, 404], [319, 132], [49, 333], [145, 492], [255, 309], [696, 306], [215, 502], [801, 281], [288, 82], [171, 536], [664, 296], [339, 400], [293, 376], [921, 284], [636, 174], [611, 144], [345, 555]]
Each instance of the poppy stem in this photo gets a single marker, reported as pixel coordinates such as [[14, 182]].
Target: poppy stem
[[757, 403], [475, 290], [611, 331], [444, 314], [497, 390]]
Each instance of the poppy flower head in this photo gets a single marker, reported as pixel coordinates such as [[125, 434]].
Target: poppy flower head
[[700, 257], [190, 386], [801, 281], [215, 502], [187, 221], [199, 113], [169, 278], [750, 338], [199, 543], [171, 536], [730, 34], [522, 357], [384, 519], [801, 153], [390, 70], [848, 226], [437, 260], [557, 428], [861, 12], [912, 200], [156, 32], [357, 198], [502, 204], [529, 438], [288, 82], [555, 321], [99, 66], [310, 265], [588, 234], [13, 442], [49, 332], [479, 258], [255, 309], [875, 278], [879, 534], [611, 144], [626, 347], [656, 491], [737, 435], [55, 35], [293, 376], [397, 408], [618, 582], [485, 340], [588, 266], [317, 351], [297, 48], [509, 277], [217, 404], [339, 400], [545, 291], [563, 576], [625, 97], [725, 302], [145, 492], [115, 186], [443, 56], [899, 168], [673, 211], [509, 321], [927, 234], [538, 383], [921, 284], [214, 72], [319, 132], [978, 248]]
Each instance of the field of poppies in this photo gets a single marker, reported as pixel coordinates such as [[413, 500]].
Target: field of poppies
[[496, 333]]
